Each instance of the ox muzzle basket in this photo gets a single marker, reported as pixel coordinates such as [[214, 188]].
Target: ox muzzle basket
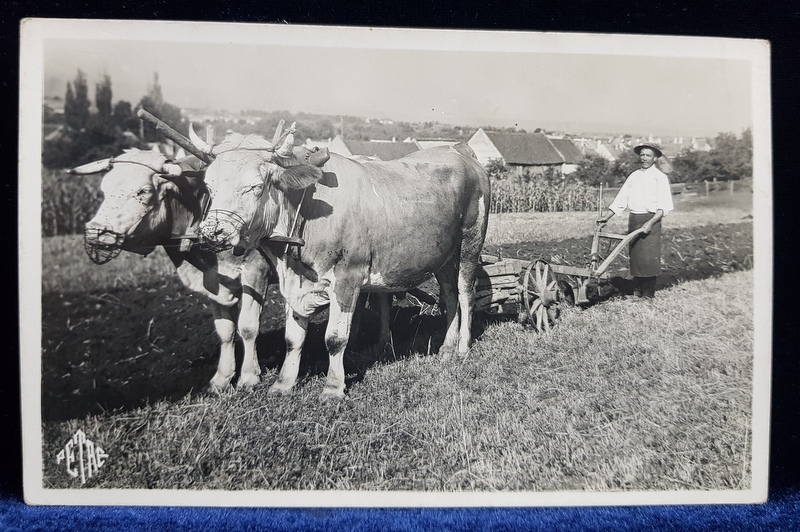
[[219, 228], [101, 244]]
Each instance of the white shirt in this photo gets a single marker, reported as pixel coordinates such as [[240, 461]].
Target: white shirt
[[644, 191]]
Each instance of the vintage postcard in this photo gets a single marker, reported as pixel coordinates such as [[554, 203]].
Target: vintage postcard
[[298, 266]]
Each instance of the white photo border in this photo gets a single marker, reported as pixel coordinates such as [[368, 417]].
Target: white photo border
[[35, 32]]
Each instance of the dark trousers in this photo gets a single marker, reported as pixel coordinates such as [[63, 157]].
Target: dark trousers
[[644, 286], [645, 254]]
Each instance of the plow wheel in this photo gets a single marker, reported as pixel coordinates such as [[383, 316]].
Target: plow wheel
[[540, 296]]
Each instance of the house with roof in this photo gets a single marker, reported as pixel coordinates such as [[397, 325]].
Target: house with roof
[[700, 144], [609, 149], [526, 152], [569, 152], [385, 150], [424, 144]]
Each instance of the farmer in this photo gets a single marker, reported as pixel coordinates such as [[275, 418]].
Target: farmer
[[646, 193]]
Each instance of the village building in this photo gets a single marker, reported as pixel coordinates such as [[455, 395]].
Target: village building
[[424, 144], [385, 150], [533, 153], [609, 149], [569, 152]]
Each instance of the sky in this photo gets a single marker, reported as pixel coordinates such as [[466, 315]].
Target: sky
[[575, 91]]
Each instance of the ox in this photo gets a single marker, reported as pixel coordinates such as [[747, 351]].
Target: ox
[[368, 226], [148, 202]]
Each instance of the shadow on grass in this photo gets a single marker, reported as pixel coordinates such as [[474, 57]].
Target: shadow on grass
[[123, 349], [412, 333]]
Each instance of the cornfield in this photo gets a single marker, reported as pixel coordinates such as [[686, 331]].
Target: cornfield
[[68, 202], [542, 196]]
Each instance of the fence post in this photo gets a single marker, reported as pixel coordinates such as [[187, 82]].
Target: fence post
[[731, 186], [706, 182], [600, 201]]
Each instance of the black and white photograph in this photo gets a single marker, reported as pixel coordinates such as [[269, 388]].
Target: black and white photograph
[[295, 266]]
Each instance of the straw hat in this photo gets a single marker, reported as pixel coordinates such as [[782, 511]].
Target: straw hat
[[650, 145]]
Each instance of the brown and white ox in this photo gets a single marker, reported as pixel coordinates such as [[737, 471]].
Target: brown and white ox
[[368, 226], [148, 202]]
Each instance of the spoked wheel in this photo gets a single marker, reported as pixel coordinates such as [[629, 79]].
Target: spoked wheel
[[540, 296]]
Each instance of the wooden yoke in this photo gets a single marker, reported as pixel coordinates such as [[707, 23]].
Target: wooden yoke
[[173, 135]]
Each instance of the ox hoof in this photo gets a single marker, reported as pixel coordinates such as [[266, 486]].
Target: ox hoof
[[331, 396], [216, 389], [248, 380], [280, 389], [446, 353]]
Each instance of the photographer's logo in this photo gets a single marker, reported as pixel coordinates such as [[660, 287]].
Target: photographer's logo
[[81, 457]]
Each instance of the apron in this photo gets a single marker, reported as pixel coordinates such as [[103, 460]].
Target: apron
[[645, 251]]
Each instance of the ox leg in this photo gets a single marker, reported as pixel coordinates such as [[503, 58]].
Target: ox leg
[[471, 245], [448, 295], [384, 306], [226, 330], [358, 317], [336, 336], [467, 273], [296, 329], [249, 321]]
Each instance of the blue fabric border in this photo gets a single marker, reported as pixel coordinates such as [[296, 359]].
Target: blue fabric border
[[781, 513], [776, 21]]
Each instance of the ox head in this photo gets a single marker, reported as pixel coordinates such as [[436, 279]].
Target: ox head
[[251, 182], [134, 187]]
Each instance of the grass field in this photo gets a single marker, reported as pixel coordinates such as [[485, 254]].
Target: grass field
[[625, 395]]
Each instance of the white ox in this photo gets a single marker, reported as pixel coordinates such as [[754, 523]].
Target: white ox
[[368, 226], [148, 202]]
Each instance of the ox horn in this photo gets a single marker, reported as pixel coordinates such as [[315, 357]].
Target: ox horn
[[199, 143], [278, 132], [95, 167], [286, 149]]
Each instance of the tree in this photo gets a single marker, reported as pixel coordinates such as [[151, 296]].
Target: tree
[[90, 136], [154, 103], [733, 156], [730, 159], [102, 97], [593, 170], [497, 168], [76, 102], [626, 163], [123, 116], [692, 166], [155, 92]]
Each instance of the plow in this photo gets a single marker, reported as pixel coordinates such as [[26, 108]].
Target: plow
[[539, 288]]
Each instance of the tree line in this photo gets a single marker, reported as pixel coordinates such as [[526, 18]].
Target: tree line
[[85, 132], [731, 159]]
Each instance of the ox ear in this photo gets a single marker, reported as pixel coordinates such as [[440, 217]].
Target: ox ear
[[296, 177]]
